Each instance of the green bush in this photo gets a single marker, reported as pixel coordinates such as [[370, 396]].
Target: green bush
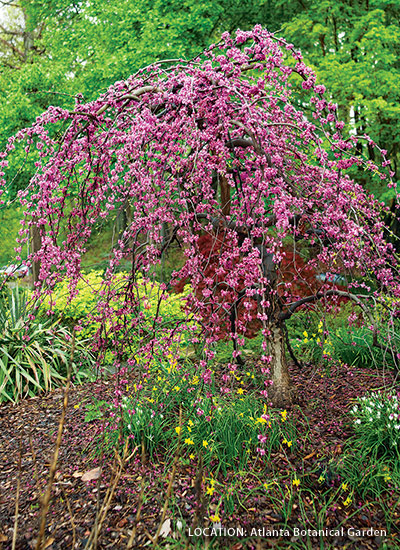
[[151, 301], [34, 355]]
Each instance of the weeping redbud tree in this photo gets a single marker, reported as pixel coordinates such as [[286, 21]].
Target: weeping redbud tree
[[219, 146]]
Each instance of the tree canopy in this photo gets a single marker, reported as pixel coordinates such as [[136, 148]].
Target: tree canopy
[[162, 141]]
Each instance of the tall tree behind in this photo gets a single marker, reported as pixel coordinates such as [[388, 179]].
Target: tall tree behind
[[354, 47]]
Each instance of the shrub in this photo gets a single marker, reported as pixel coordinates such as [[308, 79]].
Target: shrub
[[152, 301]]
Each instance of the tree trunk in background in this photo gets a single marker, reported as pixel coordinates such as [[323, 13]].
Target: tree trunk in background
[[36, 244]]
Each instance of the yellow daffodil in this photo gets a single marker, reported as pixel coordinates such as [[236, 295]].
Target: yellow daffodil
[[296, 482], [178, 430], [205, 443]]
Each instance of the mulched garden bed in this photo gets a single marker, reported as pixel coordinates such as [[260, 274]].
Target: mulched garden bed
[[31, 428]]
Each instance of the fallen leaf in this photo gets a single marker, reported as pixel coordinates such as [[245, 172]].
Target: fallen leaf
[[77, 474], [166, 528], [310, 455], [3, 537], [91, 474], [49, 542]]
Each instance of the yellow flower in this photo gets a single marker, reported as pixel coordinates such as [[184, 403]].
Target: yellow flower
[[344, 486], [215, 518], [189, 429], [189, 441], [192, 457], [296, 482], [240, 391], [210, 491], [261, 420], [347, 501], [76, 406], [284, 415], [321, 479], [178, 430], [190, 423], [305, 334], [289, 443], [205, 443]]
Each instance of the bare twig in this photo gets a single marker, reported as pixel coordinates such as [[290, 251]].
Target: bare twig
[[170, 484], [137, 519], [14, 541], [93, 537], [71, 517], [53, 467]]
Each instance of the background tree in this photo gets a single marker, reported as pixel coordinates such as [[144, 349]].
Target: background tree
[[355, 49]]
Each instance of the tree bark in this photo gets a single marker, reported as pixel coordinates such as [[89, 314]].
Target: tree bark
[[281, 391], [36, 244]]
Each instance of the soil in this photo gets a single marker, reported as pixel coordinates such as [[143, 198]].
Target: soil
[[28, 432]]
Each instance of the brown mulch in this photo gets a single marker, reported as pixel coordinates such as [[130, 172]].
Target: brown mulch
[[31, 428]]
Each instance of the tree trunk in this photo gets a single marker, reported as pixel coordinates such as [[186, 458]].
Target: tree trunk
[[280, 392], [36, 244]]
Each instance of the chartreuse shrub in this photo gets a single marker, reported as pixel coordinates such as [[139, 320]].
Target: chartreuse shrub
[[171, 404], [371, 460], [83, 306], [34, 354]]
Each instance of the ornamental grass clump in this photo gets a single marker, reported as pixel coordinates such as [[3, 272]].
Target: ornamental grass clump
[[35, 353]]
